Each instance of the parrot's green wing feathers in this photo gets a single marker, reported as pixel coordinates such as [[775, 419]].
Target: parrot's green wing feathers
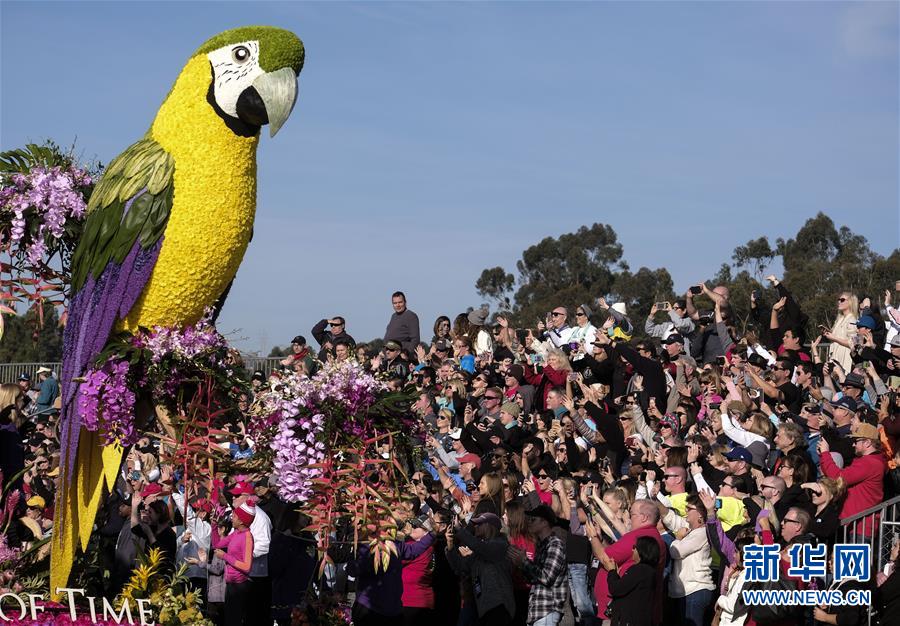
[[131, 202]]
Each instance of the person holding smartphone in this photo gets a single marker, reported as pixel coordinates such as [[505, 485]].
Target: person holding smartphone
[[842, 331], [678, 322]]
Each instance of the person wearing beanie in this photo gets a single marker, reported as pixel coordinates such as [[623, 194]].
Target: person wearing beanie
[[512, 434], [514, 384], [237, 551]]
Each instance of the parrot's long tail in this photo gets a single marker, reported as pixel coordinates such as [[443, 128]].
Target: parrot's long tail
[[80, 489]]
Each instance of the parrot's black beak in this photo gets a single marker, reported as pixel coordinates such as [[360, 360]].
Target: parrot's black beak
[[251, 108], [269, 100]]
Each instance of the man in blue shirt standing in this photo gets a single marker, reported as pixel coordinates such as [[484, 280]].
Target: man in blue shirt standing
[[49, 392]]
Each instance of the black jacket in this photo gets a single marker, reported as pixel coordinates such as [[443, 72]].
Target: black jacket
[[651, 370], [632, 596], [324, 336]]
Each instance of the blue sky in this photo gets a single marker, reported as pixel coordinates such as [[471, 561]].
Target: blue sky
[[432, 140]]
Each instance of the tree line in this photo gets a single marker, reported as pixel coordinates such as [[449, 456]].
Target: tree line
[[819, 261]]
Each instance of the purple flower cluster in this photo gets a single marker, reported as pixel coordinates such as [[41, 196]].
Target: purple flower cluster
[[296, 447], [189, 343], [46, 197], [106, 402], [344, 383], [8, 556], [340, 391]]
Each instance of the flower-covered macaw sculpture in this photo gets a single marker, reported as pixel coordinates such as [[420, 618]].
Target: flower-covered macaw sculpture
[[167, 227]]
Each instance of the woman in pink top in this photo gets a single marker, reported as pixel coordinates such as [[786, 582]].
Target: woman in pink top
[[237, 551], [417, 575]]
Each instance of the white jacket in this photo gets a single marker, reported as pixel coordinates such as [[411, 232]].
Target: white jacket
[[691, 564], [729, 603]]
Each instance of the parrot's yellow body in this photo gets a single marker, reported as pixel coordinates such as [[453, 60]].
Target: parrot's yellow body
[[167, 228]]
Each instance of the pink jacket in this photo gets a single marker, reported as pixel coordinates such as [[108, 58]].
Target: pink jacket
[[234, 546]]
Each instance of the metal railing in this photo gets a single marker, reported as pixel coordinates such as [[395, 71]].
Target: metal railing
[[264, 363], [10, 372], [877, 526]]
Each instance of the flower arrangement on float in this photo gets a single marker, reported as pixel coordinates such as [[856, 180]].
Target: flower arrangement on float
[[333, 442], [43, 199], [169, 364]]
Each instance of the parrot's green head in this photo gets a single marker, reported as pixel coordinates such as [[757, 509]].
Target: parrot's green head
[[254, 76]]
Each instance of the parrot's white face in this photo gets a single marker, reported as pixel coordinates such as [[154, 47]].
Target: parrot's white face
[[235, 67]]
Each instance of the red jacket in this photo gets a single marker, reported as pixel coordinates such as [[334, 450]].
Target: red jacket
[[556, 378], [865, 488]]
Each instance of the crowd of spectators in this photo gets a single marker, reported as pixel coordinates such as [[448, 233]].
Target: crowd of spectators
[[594, 469]]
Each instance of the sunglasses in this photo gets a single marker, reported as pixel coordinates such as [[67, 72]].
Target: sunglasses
[[579, 314], [670, 475], [792, 521], [839, 300], [624, 419], [542, 476], [491, 398], [556, 314]]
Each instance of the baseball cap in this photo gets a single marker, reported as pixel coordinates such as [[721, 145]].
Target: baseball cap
[[865, 321], [865, 431], [739, 453], [391, 345], [470, 458], [456, 433], [259, 375], [673, 338], [487, 518], [24, 376], [299, 340], [846, 402], [895, 342], [36, 502]]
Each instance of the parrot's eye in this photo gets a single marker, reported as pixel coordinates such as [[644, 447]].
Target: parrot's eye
[[240, 54]]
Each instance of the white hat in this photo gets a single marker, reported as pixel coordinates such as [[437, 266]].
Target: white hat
[[619, 307], [456, 433], [44, 370]]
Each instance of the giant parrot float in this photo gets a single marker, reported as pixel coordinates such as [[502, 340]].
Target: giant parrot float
[[167, 227]]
